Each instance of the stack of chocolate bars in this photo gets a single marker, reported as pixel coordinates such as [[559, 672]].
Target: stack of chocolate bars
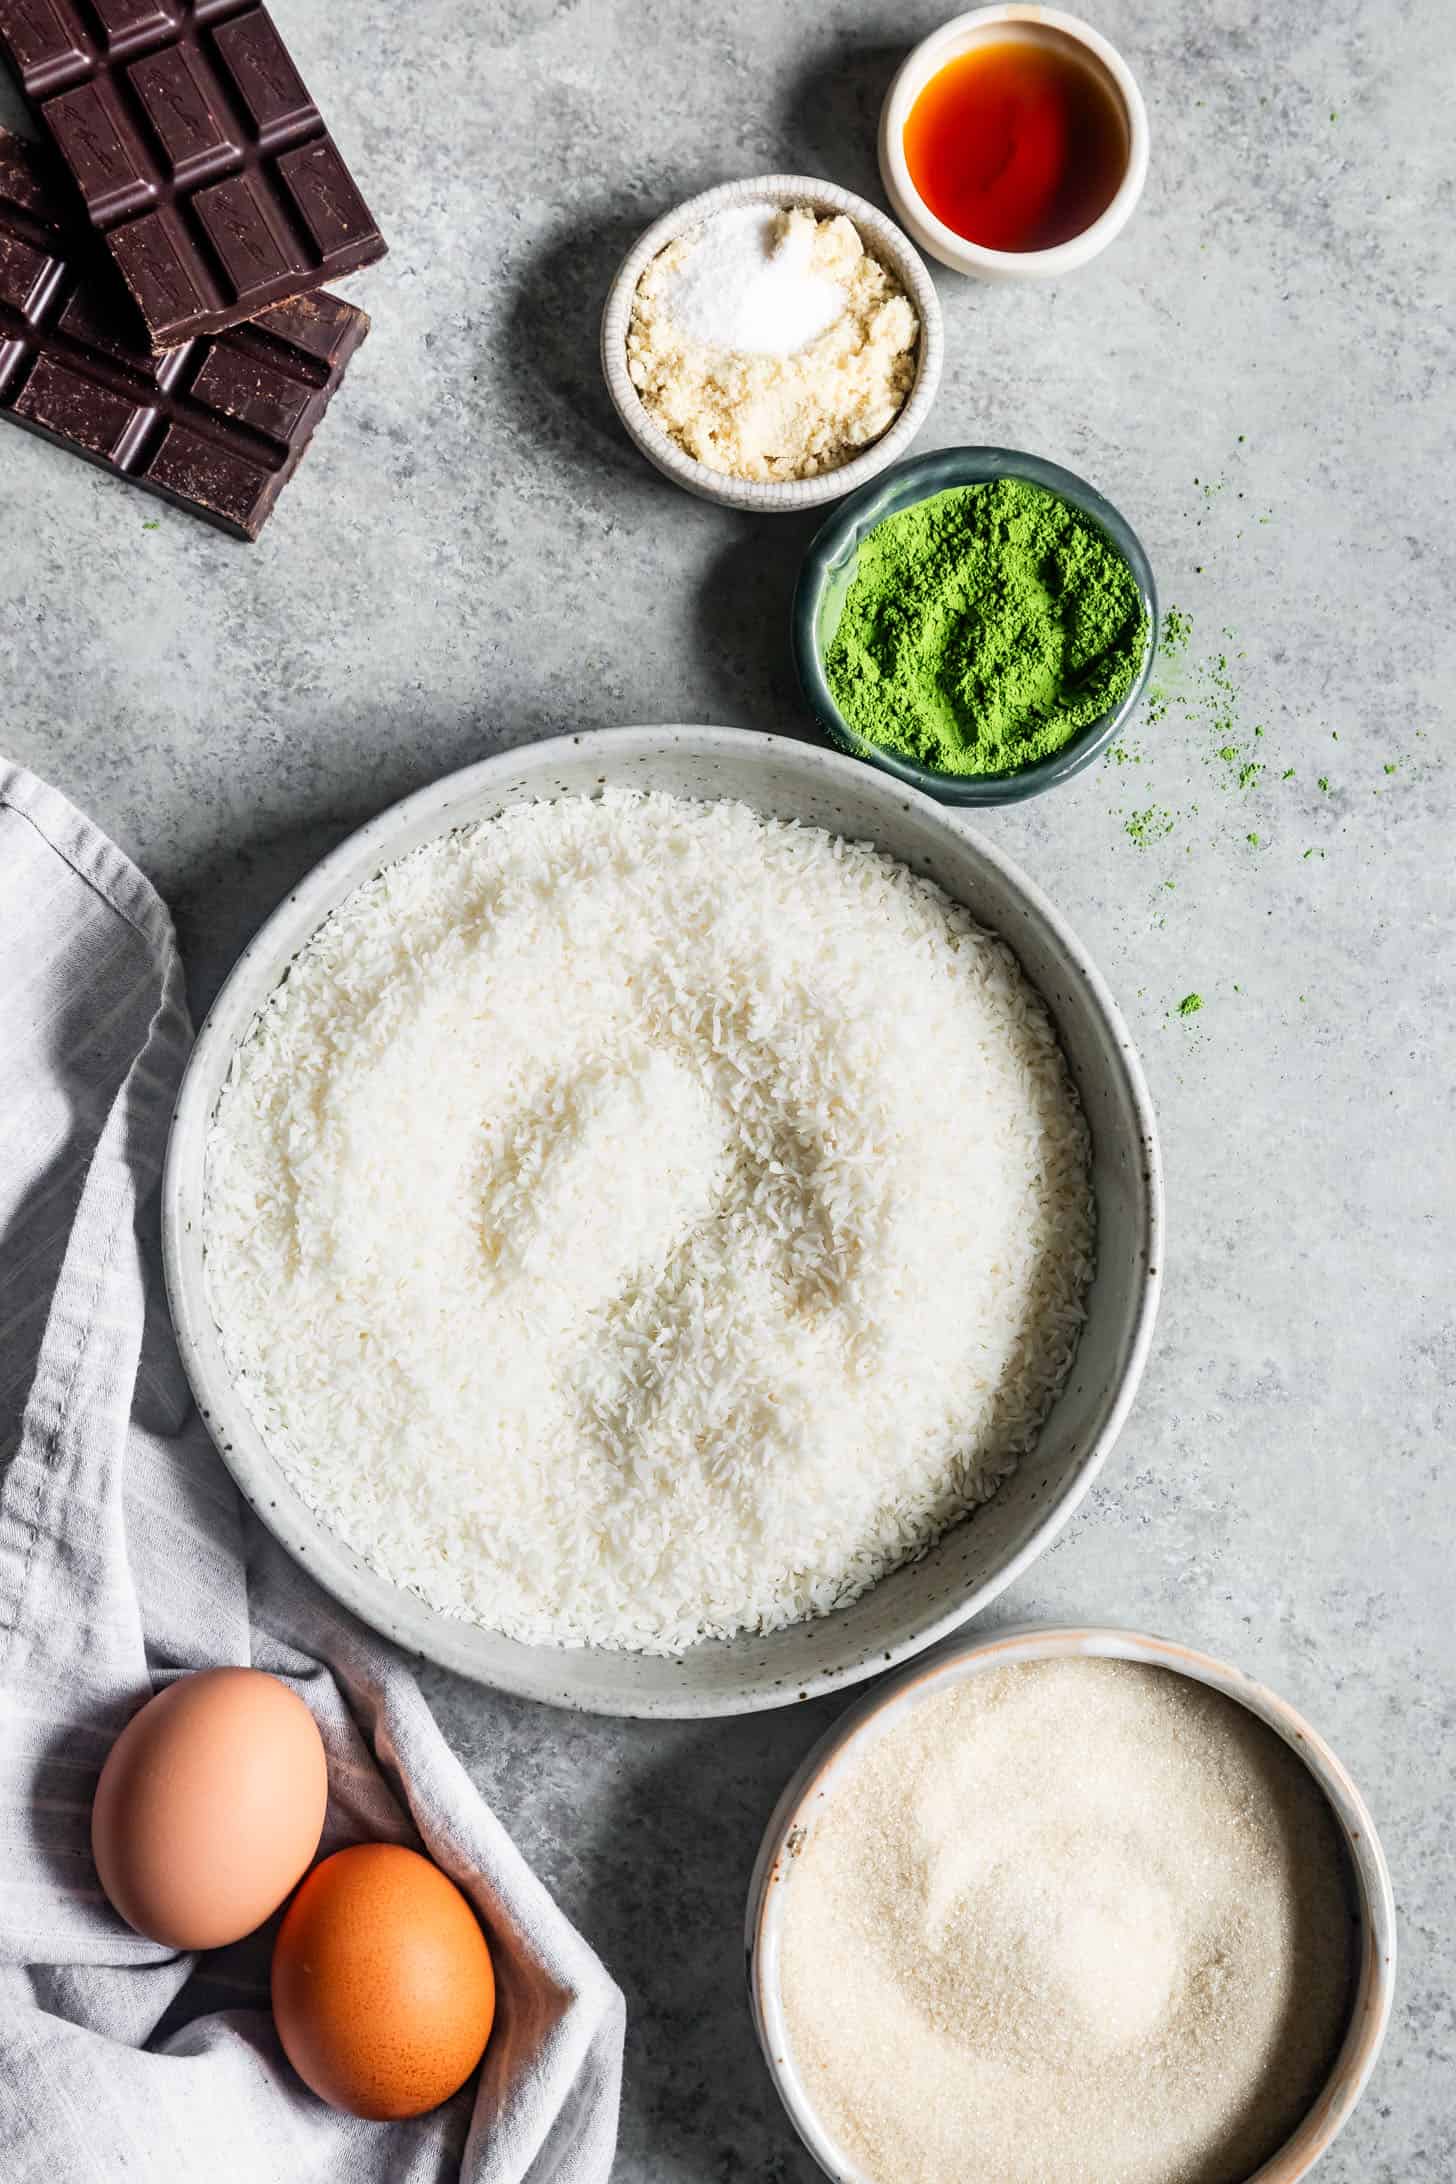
[[162, 259]]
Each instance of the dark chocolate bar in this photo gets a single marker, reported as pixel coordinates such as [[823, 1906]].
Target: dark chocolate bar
[[199, 154], [217, 426]]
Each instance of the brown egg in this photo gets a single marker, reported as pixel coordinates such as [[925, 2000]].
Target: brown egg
[[382, 1984], [209, 1807]]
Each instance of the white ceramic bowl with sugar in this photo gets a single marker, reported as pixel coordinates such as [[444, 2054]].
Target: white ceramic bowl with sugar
[[813, 1786], [770, 496], [913, 1606], [1035, 25]]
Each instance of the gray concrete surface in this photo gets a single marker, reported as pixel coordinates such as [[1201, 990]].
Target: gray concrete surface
[[1260, 375]]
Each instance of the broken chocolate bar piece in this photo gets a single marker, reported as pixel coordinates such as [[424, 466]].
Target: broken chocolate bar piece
[[217, 426], [197, 151]]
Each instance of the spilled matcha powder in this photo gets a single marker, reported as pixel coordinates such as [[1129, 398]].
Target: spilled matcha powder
[[984, 629]]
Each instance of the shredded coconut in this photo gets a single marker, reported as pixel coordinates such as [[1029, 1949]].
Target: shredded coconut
[[1068, 1922], [633, 1220]]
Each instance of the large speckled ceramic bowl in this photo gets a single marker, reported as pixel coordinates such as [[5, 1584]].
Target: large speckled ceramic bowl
[[836, 1754], [769, 497], [913, 1606]]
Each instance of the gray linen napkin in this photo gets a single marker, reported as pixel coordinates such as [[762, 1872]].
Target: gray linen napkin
[[126, 1557]]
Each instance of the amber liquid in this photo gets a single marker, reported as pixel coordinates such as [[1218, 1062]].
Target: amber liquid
[[1018, 144]]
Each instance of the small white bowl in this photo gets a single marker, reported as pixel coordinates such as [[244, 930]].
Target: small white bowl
[[1037, 26], [773, 496], [837, 1753]]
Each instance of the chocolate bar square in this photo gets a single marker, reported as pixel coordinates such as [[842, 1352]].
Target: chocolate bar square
[[198, 152], [216, 425]]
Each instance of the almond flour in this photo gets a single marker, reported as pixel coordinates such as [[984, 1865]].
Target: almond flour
[[1068, 1922], [770, 344]]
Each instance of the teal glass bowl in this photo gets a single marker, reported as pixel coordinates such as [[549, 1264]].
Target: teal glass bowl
[[828, 572]]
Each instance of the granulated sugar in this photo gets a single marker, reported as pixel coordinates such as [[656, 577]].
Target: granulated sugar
[[1073, 1922], [748, 282]]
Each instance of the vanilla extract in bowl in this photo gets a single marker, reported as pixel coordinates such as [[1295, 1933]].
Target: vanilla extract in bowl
[[1018, 143]]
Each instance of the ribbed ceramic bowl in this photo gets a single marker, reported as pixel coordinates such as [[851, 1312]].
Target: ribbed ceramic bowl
[[766, 497], [833, 1758], [912, 1607], [829, 569]]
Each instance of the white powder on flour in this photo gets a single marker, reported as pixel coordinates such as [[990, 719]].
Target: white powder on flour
[[740, 359], [748, 282], [1076, 1922], [633, 1220]]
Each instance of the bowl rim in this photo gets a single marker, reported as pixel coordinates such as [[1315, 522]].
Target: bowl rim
[[833, 1755], [402, 1616], [781, 496], [847, 525], [956, 251]]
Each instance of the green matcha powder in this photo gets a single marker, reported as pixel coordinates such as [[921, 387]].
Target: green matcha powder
[[984, 629]]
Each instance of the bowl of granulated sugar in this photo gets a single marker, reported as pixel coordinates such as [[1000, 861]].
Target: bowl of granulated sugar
[[1059, 1906]]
